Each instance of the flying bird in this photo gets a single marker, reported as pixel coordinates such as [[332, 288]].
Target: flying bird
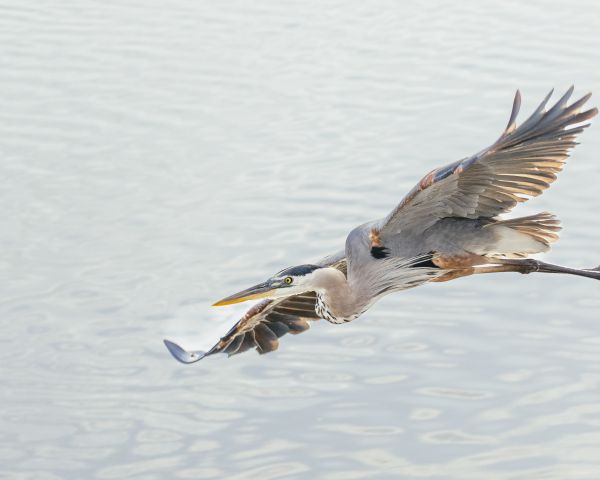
[[448, 226]]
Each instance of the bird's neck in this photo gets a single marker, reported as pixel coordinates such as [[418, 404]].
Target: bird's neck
[[336, 300]]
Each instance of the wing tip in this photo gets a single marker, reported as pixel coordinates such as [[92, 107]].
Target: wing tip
[[592, 112], [512, 121], [182, 355]]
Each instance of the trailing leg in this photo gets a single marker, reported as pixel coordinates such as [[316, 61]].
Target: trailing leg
[[530, 265]]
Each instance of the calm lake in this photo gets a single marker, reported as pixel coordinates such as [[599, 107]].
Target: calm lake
[[157, 156]]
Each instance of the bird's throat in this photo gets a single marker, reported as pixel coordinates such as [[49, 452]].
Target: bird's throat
[[336, 301]]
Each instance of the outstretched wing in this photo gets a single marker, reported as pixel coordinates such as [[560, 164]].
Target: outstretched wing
[[521, 164], [263, 325]]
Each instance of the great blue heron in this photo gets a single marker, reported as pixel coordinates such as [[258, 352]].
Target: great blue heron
[[445, 228]]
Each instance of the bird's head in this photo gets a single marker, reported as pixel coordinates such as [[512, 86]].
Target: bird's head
[[288, 282]]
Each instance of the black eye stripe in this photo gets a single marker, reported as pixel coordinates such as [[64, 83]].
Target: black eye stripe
[[298, 271]]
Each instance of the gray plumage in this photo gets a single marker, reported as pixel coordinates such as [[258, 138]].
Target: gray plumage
[[446, 227]]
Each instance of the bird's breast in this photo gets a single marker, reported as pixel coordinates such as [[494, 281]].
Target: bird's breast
[[325, 312]]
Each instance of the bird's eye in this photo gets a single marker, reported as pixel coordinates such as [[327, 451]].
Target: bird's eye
[[288, 280]]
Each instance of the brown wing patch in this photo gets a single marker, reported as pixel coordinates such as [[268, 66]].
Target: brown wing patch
[[378, 250]]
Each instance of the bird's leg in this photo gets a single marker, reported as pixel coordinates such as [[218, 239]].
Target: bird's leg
[[465, 272], [458, 265], [530, 265], [454, 274], [458, 261], [464, 265]]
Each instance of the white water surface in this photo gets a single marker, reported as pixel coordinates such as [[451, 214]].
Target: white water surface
[[157, 156]]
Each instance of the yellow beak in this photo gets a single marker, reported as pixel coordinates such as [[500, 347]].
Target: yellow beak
[[262, 290]]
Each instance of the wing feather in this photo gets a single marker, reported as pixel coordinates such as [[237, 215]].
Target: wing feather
[[264, 323], [520, 165]]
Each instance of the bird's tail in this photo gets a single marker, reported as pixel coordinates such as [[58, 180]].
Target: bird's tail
[[523, 236]]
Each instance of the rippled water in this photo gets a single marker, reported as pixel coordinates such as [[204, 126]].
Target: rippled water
[[156, 156]]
